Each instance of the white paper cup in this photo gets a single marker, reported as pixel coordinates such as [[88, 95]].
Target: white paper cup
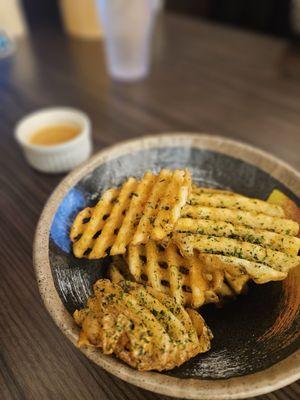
[[61, 157]]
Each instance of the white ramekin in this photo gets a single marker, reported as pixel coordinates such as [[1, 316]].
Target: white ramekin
[[61, 157]]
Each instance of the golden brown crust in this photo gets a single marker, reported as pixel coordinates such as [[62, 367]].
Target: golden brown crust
[[137, 212], [145, 328], [191, 281]]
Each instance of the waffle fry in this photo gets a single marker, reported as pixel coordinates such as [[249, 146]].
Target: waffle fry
[[78, 227], [136, 212], [171, 204], [219, 276], [239, 231], [233, 247], [226, 285], [133, 214], [237, 217], [89, 224], [187, 279], [275, 241], [223, 199], [163, 206], [113, 223], [145, 328], [259, 273]]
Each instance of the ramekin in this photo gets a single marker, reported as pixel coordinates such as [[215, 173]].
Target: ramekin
[[61, 157]]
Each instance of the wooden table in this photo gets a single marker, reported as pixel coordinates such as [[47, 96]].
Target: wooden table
[[204, 78]]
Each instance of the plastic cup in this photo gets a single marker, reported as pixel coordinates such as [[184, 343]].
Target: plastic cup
[[128, 26]]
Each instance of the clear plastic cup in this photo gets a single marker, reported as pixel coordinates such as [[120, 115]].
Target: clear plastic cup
[[128, 26]]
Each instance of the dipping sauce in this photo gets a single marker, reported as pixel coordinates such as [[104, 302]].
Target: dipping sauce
[[54, 134]]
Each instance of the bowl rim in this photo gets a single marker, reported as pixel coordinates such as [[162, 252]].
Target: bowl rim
[[275, 377]]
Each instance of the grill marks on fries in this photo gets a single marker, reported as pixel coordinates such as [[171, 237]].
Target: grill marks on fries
[[145, 328], [187, 279], [137, 212], [233, 201]]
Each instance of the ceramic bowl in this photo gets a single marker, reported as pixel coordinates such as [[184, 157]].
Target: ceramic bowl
[[61, 157], [256, 338]]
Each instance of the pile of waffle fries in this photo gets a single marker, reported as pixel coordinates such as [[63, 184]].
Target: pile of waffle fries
[[190, 244]]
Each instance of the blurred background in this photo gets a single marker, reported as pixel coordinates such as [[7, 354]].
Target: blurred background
[[229, 67], [80, 19], [280, 17]]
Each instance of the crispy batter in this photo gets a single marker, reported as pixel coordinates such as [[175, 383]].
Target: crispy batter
[[187, 279], [145, 328], [136, 212]]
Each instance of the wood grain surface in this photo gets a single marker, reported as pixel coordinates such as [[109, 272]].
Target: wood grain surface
[[204, 78]]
